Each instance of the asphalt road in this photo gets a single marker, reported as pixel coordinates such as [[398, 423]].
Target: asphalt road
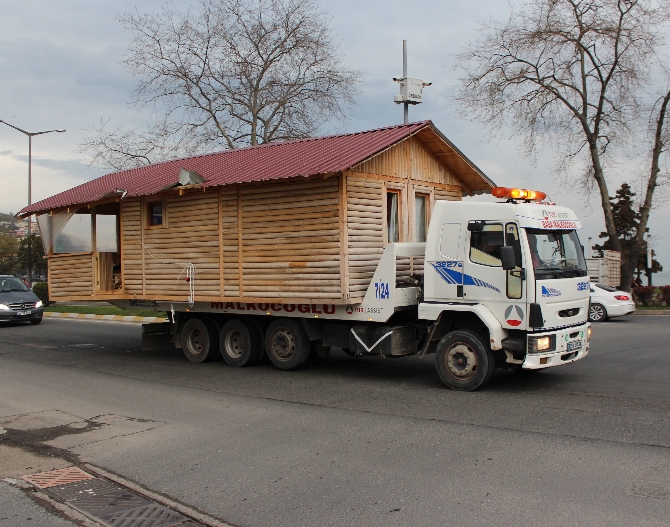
[[365, 441]]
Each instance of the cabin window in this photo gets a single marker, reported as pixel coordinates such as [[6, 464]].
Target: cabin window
[[420, 217], [485, 245], [393, 216], [73, 234], [155, 213], [105, 233]]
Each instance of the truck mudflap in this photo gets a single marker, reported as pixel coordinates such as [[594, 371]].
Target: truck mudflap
[[392, 341], [568, 345]]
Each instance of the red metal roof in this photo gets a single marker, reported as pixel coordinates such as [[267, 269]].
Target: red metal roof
[[302, 157]]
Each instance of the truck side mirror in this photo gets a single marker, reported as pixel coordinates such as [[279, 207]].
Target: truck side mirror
[[507, 258], [476, 226]]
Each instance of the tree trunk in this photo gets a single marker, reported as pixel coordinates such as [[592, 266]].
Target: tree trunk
[[628, 266], [610, 227], [633, 257]]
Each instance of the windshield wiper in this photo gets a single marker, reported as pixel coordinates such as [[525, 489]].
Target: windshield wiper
[[549, 268]]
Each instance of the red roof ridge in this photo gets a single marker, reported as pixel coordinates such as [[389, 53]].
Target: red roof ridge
[[420, 124]]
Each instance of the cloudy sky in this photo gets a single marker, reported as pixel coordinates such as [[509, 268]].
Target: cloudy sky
[[59, 61]]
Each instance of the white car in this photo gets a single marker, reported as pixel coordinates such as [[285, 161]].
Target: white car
[[608, 302]]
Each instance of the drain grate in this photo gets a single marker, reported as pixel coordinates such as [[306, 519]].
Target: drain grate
[[63, 476], [97, 497], [81, 489], [107, 503], [147, 516]]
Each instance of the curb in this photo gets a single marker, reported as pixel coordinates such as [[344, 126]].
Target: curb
[[106, 318], [652, 312]]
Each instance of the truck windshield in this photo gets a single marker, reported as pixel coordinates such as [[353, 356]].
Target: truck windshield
[[555, 254]]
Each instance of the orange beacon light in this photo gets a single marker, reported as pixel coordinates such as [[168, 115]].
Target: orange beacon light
[[518, 193]]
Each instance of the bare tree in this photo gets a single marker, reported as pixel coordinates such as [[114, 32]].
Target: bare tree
[[570, 74], [227, 73]]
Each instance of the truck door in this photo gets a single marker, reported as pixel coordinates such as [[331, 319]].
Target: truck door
[[484, 279]]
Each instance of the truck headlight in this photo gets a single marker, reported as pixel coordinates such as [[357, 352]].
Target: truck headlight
[[4, 307], [38, 303], [540, 344], [588, 334]]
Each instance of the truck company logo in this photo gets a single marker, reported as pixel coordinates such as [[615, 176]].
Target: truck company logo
[[452, 273], [550, 291], [315, 309], [514, 315], [582, 286], [558, 224]]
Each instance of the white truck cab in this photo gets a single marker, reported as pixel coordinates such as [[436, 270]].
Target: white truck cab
[[519, 267]]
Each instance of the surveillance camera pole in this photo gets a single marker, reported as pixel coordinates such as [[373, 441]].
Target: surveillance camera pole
[[404, 74], [30, 189]]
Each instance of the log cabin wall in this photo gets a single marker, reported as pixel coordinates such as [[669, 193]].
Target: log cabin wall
[[155, 257], [70, 275], [409, 169], [290, 244], [230, 240], [131, 247], [365, 230]]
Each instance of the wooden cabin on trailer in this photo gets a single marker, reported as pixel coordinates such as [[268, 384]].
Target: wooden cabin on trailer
[[297, 221]]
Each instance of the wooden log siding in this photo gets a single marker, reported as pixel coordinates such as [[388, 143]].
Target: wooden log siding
[[365, 231], [408, 160], [447, 194], [191, 236], [131, 247], [70, 275], [290, 239], [230, 241]]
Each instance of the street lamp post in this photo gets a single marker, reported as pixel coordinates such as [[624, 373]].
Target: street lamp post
[[30, 191]]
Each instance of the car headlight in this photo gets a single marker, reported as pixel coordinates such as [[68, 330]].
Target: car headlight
[[4, 307], [588, 334], [540, 344], [39, 303]]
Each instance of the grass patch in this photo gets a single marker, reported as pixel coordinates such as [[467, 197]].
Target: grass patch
[[107, 310]]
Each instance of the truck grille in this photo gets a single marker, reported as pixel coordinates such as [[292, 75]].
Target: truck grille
[[18, 306]]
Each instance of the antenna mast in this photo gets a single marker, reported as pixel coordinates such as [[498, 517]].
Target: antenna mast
[[411, 90]]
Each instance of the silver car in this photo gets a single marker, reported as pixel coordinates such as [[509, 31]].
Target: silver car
[[17, 302]]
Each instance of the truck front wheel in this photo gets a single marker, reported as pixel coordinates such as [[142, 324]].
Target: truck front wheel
[[287, 344], [463, 361], [199, 340]]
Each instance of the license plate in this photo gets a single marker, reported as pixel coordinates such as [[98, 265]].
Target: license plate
[[574, 345], [23, 313]]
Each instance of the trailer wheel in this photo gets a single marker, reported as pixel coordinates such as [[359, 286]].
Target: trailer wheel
[[463, 361], [199, 340], [287, 344], [240, 343]]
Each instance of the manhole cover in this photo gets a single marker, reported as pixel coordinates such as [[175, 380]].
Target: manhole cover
[[63, 476], [147, 516]]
